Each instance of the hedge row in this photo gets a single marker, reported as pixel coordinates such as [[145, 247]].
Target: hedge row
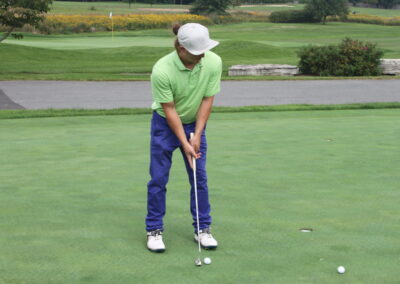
[[86, 23], [95, 23], [301, 16], [292, 16]]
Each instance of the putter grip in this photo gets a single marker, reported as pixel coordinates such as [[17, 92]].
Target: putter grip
[[193, 158]]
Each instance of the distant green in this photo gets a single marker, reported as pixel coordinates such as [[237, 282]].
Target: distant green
[[73, 194], [95, 56]]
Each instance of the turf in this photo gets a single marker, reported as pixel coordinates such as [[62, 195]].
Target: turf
[[118, 8], [94, 56], [39, 113], [65, 7], [73, 194], [91, 42], [359, 10], [376, 11]]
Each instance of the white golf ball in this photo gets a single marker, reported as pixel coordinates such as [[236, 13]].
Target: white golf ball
[[207, 260], [341, 269]]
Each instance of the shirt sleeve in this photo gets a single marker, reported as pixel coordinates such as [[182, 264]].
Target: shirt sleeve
[[161, 87], [214, 87]]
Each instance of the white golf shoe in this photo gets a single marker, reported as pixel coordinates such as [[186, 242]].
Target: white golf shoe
[[155, 242], [207, 241]]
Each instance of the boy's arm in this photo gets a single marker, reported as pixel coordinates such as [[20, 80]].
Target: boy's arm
[[175, 124], [202, 117]]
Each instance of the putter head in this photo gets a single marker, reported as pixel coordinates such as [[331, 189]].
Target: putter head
[[197, 262]]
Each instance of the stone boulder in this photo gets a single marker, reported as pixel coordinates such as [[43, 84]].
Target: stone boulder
[[390, 66], [263, 69]]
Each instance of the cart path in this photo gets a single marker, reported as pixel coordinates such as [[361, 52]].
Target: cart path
[[109, 95]]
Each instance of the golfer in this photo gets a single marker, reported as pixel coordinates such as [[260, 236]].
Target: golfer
[[184, 84]]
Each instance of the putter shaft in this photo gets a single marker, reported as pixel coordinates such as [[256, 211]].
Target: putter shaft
[[195, 195]]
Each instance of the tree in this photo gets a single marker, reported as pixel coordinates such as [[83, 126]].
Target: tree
[[210, 7], [236, 3], [17, 13], [151, 2], [387, 4], [321, 9], [354, 2]]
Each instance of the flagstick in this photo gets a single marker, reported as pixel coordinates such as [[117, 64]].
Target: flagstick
[[112, 26]]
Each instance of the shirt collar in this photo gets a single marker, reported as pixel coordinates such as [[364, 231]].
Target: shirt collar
[[180, 65]]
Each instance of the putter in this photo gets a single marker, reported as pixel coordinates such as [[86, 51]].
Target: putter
[[198, 260]]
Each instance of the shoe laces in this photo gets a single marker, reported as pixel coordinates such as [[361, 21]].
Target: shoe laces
[[156, 234], [206, 233]]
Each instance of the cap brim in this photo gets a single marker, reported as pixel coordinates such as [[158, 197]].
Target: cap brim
[[211, 45]]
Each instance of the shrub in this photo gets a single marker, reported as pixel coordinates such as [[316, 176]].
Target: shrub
[[292, 16], [350, 58], [240, 17]]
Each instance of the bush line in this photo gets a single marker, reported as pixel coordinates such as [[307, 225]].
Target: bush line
[[100, 23]]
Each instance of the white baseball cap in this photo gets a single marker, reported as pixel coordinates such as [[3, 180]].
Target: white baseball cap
[[195, 38]]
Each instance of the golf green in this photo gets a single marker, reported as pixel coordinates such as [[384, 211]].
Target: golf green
[[73, 200], [90, 42]]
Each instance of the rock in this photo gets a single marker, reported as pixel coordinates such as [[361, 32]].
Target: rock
[[390, 66], [263, 69]]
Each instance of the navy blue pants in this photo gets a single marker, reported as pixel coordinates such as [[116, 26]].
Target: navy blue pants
[[163, 143]]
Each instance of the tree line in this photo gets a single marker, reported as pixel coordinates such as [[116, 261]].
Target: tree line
[[387, 4]]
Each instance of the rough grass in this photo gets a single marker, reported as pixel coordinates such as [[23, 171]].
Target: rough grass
[[9, 114]]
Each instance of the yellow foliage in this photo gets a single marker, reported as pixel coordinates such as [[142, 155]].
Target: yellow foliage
[[87, 23], [374, 19], [371, 19]]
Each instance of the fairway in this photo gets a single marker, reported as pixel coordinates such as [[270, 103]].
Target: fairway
[[73, 194], [104, 8]]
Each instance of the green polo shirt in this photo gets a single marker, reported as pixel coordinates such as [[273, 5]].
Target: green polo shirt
[[171, 81]]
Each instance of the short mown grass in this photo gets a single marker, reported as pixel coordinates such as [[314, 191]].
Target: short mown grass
[[73, 192]]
